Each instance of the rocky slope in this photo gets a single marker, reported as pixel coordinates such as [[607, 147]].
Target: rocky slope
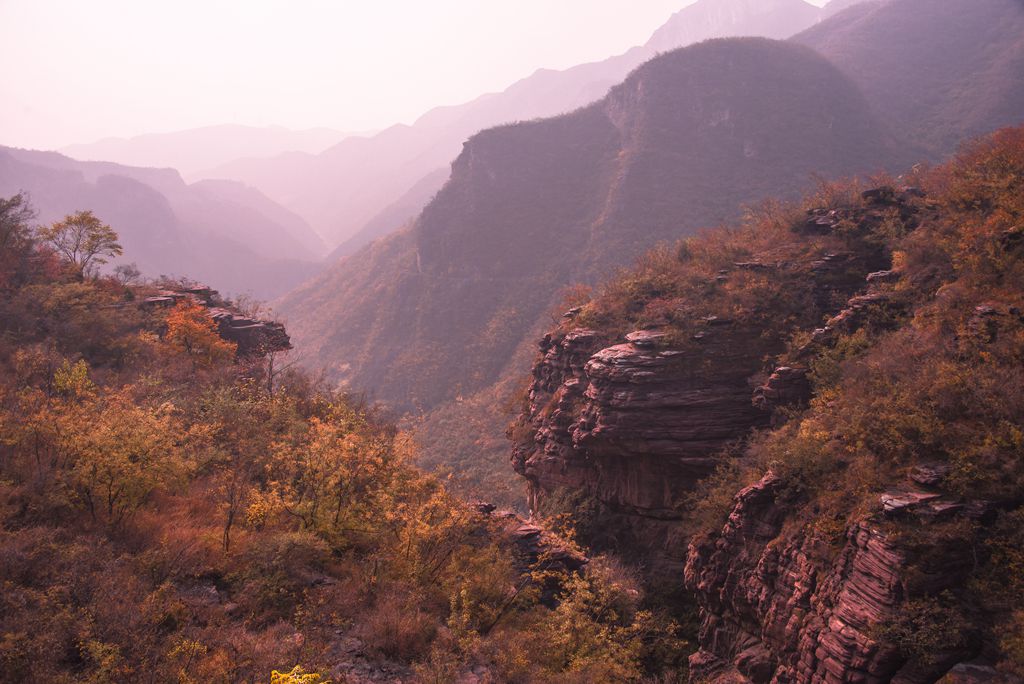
[[793, 607], [530, 208], [634, 424], [831, 448]]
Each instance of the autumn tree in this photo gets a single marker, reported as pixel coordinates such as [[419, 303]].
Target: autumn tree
[[15, 214], [342, 475], [237, 431], [82, 239], [119, 453], [191, 331]]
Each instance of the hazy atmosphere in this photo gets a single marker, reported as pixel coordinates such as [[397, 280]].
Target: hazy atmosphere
[[545, 342], [121, 67]]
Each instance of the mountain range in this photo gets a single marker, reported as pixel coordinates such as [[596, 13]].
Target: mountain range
[[195, 151], [226, 234], [237, 238], [437, 310], [937, 71], [441, 317], [355, 183]]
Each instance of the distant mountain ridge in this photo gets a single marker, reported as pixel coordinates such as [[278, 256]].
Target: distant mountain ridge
[[419, 331], [837, 6], [346, 187], [194, 151], [439, 310], [220, 232], [768, 18]]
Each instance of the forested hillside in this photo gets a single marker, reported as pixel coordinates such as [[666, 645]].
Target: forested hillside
[[173, 507], [936, 71]]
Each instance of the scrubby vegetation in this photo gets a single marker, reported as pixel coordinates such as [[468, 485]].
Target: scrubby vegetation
[[168, 515], [930, 377], [941, 382]]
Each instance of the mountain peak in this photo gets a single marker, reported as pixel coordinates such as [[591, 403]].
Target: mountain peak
[[719, 18]]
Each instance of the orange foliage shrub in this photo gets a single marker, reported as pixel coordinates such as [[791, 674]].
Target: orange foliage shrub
[[191, 331]]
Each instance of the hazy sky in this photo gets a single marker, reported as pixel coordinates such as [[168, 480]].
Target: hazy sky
[[78, 70]]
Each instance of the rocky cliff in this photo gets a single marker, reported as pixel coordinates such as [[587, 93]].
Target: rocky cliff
[[254, 336], [636, 425], [794, 606], [818, 415]]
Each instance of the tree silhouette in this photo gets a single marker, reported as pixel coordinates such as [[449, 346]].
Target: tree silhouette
[[83, 240]]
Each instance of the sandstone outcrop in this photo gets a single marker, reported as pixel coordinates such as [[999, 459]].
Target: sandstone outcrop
[[636, 425], [786, 593], [252, 335], [633, 424], [780, 603]]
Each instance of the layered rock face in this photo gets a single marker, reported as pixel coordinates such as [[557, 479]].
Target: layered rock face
[[762, 599], [786, 593], [633, 424], [783, 604], [635, 427]]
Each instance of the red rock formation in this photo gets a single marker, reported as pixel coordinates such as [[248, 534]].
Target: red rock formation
[[781, 604], [635, 427]]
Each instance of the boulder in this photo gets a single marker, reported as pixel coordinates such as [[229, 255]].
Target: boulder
[[899, 501], [879, 277], [786, 386], [930, 474], [884, 195]]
